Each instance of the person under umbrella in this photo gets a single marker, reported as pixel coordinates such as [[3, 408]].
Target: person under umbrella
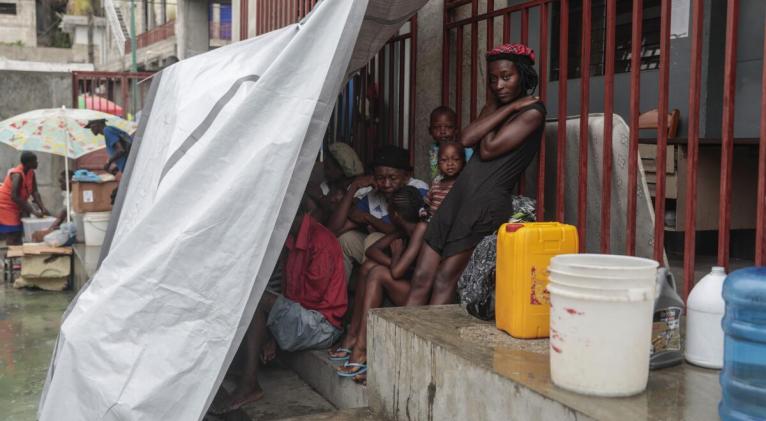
[[15, 191], [117, 142]]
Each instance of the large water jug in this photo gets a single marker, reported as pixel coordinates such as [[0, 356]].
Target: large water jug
[[705, 308], [743, 379]]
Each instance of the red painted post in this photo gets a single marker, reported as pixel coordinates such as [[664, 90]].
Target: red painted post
[[692, 146], [562, 118], [635, 110], [506, 28], [490, 42], [243, 15], [606, 187], [543, 70], [525, 26], [75, 89], [662, 134], [582, 191], [474, 53], [727, 146], [459, 78], [760, 231]]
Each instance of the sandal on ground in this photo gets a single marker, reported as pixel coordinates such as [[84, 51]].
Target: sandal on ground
[[356, 368], [339, 354]]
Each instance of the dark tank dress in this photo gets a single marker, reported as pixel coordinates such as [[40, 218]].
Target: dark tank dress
[[480, 201]]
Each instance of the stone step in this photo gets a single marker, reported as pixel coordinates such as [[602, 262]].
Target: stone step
[[319, 372], [357, 414], [439, 363]]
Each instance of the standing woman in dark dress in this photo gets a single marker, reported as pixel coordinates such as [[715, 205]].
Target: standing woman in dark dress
[[506, 137]]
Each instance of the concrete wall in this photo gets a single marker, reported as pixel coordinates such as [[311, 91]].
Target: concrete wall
[[76, 54], [192, 28], [26, 91], [427, 80], [21, 27]]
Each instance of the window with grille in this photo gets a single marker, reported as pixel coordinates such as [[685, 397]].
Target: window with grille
[[7, 8], [650, 48]]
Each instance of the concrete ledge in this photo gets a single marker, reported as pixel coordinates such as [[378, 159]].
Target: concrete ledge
[[316, 370], [439, 363]]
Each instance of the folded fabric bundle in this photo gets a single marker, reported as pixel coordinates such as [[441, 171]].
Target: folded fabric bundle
[[86, 176]]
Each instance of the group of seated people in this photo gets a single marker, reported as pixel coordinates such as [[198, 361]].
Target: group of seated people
[[389, 237]]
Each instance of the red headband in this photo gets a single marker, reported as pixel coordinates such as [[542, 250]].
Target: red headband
[[507, 51]]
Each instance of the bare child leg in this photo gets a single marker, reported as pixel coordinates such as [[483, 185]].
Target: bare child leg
[[349, 340], [379, 282], [248, 389], [425, 272], [447, 276]]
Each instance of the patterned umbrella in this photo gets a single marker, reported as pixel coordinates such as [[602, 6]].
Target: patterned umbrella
[[58, 131], [49, 131]]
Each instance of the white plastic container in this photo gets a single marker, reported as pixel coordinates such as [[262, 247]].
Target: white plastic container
[[601, 337], [95, 224], [705, 309], [35, 224], [605, 265]]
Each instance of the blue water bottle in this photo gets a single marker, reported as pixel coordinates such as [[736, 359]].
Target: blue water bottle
[[743, 378]]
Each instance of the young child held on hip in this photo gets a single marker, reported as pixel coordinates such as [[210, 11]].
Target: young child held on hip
[[451, 163]]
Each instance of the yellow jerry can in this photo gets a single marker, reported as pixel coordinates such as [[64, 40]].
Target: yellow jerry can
[[524, 251]]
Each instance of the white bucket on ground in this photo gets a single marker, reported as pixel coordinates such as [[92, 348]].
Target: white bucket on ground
[[80, 225], [95, 224], [601, 337]]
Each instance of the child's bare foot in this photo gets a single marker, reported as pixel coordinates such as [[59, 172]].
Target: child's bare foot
[[243, 396]]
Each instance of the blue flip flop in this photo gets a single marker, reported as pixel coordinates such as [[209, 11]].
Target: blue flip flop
[[361, 368], [345, 358]]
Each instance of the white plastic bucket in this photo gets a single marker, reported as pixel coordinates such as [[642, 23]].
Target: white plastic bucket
[[571, 279], [601, 336], [606, 265], [95, 224]]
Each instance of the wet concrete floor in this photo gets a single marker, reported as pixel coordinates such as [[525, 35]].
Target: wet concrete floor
[[29, 324]]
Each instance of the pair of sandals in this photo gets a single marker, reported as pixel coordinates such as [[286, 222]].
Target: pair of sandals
[[355, 371]]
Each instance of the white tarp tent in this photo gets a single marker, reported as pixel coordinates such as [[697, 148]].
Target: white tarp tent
[[221, 159]]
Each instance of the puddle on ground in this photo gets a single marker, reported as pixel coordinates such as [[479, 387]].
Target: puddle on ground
[[29, 324], [491, 336]]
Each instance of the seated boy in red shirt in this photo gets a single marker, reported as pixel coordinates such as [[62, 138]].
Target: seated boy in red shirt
[[309, 313]]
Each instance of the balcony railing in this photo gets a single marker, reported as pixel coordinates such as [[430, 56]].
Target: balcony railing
[[157, 34]]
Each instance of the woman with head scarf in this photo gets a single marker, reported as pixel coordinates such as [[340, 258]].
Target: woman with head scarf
[[505, 138]]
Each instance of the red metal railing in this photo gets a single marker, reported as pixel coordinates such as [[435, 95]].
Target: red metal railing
[[275, 14], [157, 34], [377, 106], [109, 91], [462, 20]]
